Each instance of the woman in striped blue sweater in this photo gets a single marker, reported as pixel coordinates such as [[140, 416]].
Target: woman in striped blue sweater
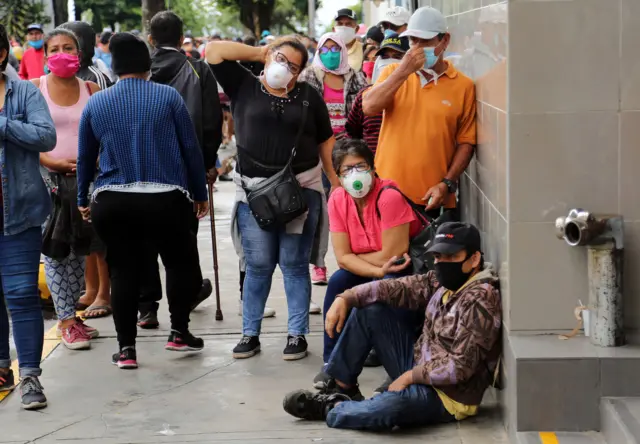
[[151, 172]]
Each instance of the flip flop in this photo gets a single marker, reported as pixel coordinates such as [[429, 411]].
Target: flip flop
[[107, 312], [79, 305]]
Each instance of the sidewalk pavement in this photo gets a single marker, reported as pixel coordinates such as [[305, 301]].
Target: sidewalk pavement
[[205, 397]]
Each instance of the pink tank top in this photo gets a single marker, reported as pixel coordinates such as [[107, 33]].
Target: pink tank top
[[66, 119]]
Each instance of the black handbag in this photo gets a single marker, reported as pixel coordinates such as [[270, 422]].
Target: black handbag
[[279, 199], [421, 260]]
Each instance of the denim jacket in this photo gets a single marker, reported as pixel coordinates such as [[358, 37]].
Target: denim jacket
[[26, 130]]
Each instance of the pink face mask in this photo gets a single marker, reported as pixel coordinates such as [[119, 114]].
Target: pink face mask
[[63, 65]]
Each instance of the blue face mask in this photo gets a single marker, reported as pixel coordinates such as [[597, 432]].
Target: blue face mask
[[37, 44], [431, 57]]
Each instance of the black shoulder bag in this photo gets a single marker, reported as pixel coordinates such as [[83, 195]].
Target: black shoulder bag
[[421, 261], [278, 200]]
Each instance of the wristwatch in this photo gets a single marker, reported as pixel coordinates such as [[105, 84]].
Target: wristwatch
[[452, 186]]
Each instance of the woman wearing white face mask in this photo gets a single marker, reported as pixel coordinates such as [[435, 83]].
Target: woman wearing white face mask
[[268, 112], [370, 223]]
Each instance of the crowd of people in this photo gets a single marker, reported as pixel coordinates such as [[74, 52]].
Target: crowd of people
[[110, 143]]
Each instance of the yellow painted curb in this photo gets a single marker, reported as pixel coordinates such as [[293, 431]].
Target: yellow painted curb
[[51, 341], [548, 438]]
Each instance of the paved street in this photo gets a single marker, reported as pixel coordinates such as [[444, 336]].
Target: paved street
[[206, 397]]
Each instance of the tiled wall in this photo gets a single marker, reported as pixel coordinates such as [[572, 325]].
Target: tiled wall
[[559, 127], [479, 49]]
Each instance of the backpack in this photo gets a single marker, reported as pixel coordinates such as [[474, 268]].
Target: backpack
[[421, 261], [187, 83]]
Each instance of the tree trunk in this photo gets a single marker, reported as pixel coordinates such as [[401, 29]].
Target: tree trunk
[[149, 9], [77, 13], [256, 14], [60, 12]]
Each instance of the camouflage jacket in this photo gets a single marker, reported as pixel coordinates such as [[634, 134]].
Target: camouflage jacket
[[460, 342]]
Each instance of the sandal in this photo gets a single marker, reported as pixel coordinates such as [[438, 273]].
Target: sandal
[[107, 311]]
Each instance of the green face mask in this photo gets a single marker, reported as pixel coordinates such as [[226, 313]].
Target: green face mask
[[330, 60]]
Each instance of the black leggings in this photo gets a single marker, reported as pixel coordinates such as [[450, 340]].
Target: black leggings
[[151, 286], [135, 227]]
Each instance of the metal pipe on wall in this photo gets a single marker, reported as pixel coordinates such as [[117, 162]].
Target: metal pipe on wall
[[603, 237]]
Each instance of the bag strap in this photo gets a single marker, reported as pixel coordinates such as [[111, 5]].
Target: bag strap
[[303, 121], [417, 209], [88, 89]]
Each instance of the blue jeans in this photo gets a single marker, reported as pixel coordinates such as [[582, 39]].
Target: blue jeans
[[19, 267], [380, 327], [263, 250], [341, 281]]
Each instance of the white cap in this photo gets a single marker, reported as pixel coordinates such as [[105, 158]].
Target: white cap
[[426, 23], [397, 16], [187, 40]]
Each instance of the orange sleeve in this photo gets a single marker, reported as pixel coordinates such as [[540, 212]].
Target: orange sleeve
[[386, 72], [467, 124]]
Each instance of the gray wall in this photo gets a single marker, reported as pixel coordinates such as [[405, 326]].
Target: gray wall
[[558, 86]]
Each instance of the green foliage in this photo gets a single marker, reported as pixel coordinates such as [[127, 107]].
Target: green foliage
[[109, 12], [16, 15]]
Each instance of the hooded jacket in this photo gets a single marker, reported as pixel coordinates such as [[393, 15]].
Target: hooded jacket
[[459, 347], [87, 37], [197, 85]]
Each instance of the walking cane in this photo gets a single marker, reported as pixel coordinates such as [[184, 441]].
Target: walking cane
[[215, 252]]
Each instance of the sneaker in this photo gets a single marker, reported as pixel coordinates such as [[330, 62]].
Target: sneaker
[[183, 342], [148, 320], [76, 338], [7, 382], [93, 333], [296, 348], [306, 405], [125, 358], [32, 393], [372, 360], [322, 379], [384, 387], [319, 275], [247, 347], [203, 294], [314, 308], [353, 393], [268, 312]]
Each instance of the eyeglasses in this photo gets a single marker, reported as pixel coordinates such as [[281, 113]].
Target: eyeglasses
[[362, 167], [280, 59], [326, 49]]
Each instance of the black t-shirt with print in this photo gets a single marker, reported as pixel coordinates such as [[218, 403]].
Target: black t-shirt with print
[[266, 134]]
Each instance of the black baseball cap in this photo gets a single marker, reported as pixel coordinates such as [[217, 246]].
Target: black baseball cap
[[394, 41], [453, 237], [346, 12]]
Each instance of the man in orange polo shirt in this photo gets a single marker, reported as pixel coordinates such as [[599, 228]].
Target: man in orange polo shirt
[[428, 131]]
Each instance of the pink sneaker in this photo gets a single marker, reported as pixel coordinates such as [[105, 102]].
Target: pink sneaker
[[90, 331], [76, 338], [319, 275]]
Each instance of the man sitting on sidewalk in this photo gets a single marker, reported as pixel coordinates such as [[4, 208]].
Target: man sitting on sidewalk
[[438, 378]]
